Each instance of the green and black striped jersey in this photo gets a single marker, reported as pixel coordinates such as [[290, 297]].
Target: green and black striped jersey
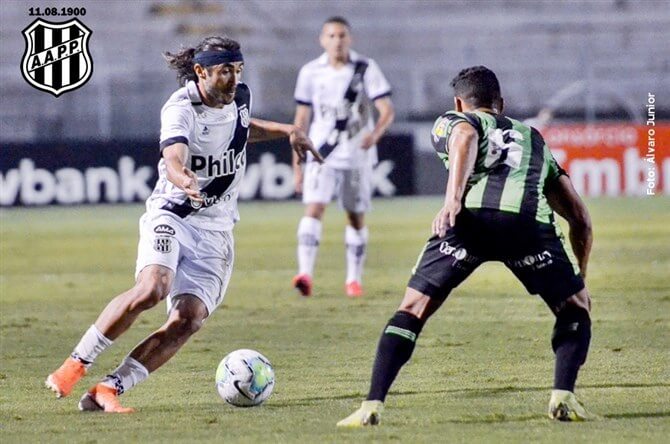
[[512, 166]]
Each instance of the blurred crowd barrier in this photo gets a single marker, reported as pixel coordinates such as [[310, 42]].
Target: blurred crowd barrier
[[125, 171], [616, 159]]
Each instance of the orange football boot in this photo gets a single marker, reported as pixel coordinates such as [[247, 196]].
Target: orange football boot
[[63, 380], [303, 283], [102, 398], [354, 289]]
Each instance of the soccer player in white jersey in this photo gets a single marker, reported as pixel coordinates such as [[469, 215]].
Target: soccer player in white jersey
[[334, 93], [185, 251]]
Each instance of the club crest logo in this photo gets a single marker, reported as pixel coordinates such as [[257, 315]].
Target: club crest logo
[[57, 57], [163, 244]]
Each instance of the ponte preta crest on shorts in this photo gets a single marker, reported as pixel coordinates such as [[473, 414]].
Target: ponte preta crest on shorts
[[57, 57]]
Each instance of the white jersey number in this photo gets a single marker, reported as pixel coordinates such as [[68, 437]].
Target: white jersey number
[[503, 148]]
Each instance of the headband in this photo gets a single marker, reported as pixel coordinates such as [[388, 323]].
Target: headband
[[210, 58]]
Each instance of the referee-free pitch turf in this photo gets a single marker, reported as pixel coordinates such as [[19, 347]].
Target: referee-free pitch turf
[[482, 370]]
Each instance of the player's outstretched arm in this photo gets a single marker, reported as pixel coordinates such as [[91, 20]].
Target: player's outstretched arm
[[462, 156], [175, 157], [261, 130], [564, 200]]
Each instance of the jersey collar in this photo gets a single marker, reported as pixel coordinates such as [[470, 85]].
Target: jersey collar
[[194, 96]]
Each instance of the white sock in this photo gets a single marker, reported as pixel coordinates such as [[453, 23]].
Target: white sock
[[357, 243], [90, 346], [126, 376], [309, 236]]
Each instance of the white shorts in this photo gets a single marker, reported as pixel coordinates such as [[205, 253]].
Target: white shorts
[[321, 184], [202, 260]]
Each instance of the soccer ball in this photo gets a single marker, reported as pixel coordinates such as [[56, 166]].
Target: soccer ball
[[245, 378]]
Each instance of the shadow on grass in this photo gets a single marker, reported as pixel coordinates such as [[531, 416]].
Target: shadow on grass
[[491, 391], [471, 392], [275, 404], [495, 417], [637, 415], [499, 417]]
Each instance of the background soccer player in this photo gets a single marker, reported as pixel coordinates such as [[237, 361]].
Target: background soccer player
[[503, 184], [185, 252], [337, 89]]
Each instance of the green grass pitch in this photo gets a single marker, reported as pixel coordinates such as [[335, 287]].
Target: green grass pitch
[[482, 370]]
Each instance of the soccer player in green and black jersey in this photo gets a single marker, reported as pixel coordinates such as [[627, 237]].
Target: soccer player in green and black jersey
[[502, 190]]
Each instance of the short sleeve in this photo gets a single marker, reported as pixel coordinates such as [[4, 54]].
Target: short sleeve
[[176, 124], [554, 169], [303, 87], [251, 99], [442, 129], [376, 85]]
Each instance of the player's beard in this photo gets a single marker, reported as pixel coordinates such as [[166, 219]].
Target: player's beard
[[219, 97]]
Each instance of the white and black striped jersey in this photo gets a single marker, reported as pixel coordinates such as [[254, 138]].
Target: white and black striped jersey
[[323, 87], [216, 139]]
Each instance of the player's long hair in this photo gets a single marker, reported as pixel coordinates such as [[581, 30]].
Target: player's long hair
[[182, 61]]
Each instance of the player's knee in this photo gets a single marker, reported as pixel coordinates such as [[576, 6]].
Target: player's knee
[[148, 293], [419, 304], [356, 220], [581, 299], [413, 309], [182, 326], [573, 324], [315, 210]]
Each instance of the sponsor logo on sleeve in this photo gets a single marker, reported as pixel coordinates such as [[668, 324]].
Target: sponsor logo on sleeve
[[164, 229]]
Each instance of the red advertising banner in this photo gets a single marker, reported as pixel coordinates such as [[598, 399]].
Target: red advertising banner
[[614, 159]]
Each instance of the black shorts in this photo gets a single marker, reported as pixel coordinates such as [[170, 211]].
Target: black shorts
[[531, 250]]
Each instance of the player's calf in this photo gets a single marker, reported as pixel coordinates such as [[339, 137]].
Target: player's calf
[[63, 380], [153, 285], [394, 350], [570, 342], [309, 238]]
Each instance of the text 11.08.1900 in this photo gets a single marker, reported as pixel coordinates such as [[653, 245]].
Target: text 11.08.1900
[[54, 12]]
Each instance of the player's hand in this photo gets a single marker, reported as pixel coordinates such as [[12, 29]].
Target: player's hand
[[302, 145], [297, 179], [446, 218], [368, 141], [190, 185]]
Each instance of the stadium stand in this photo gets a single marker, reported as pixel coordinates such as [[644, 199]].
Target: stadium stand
[[421, 45]]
